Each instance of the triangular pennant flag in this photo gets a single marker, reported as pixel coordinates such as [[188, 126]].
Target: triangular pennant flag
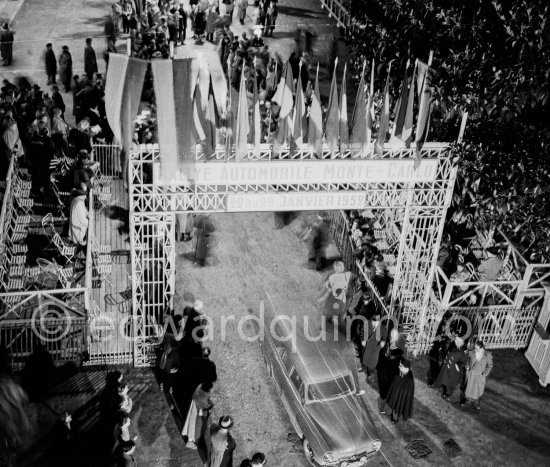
[[406, 134], [210, 128], [242, 125], [401, 105], [370, 108], [359, 119], [358, 99], [344, 128], [425, 92], [299, 112], [384, 116], [284, 96], [332, 124], [229, 123], [315, 124], [256, 117]]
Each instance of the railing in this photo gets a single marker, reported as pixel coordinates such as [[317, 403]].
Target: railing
[[476, 294], [64, 339], [500, 327], [108, 156], [339, 229], [7, 198], [337, 9]]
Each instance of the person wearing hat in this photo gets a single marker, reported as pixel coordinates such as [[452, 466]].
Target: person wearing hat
[[194, 320], [51, 63], [90, 60], [478, 369], [452, 368], [400, 396], [222, 443], [65, 68], [194, 428], [79, 215], [201, 243], [373, 339]]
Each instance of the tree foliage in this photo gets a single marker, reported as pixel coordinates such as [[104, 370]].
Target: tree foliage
[[493, 60]]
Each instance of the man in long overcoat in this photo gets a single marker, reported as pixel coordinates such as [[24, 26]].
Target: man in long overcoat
[[452, 369], [478, 369], [66, 68], [90, 61], [374, 335], [51, 63], [6, 44]]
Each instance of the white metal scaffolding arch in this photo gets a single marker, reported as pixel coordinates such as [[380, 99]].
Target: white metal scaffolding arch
[[422, 209]]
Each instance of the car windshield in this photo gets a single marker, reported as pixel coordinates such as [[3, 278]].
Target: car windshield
[[330, 389]]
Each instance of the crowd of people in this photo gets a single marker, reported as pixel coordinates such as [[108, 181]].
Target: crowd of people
[[187, 375]]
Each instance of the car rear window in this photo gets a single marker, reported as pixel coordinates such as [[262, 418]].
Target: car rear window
[[330, 389]]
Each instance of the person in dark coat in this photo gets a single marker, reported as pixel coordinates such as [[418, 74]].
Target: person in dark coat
[[318, 244], [169, 361], [438, 351], [201, 246], [193, 320], [452, 370], [374, 337], [65, 68], [63, 439], [6, 44], [194, 371], [222, 443], [90, 61], [202, 369], [388, 365], [51, 63], [182, 24], [109, 399], [58, 100], [400, 396]]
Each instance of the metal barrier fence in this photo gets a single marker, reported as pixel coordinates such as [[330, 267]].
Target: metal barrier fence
[[66, 341], [340, 232], [340, 12], [108, 156]]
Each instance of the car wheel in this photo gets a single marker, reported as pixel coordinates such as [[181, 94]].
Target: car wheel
[[308, 452]]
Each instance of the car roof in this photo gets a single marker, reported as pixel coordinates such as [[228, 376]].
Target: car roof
[[315, 361]]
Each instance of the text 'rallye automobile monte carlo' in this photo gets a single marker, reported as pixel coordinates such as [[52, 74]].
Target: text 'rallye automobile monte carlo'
[[319, 392]]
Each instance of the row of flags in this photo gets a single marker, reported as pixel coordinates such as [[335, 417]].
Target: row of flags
[[295, 127], [187, 111]]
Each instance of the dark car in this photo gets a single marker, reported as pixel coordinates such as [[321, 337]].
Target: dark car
[[320, 394]]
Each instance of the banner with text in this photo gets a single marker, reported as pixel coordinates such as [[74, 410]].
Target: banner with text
[[253, 202], [305, 172]]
